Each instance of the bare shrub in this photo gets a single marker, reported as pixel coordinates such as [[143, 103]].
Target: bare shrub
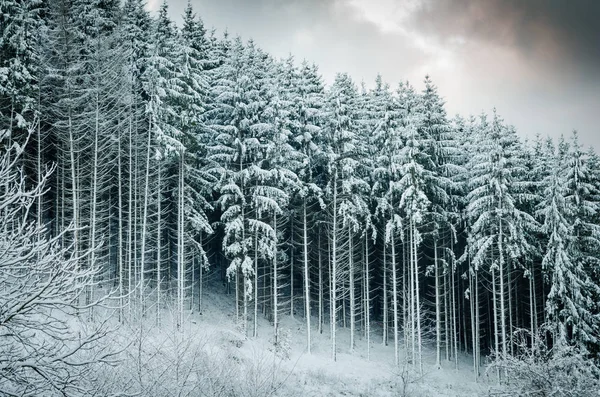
[[538, 371], [46, 346]]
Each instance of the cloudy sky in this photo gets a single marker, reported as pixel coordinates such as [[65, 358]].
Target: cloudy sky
[[536, 61]]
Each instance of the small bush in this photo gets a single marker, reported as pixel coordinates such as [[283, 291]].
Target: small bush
[[539, 372], [282, 345], [162, 364]]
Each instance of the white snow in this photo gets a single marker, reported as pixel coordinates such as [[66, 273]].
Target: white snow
[[293, 372]]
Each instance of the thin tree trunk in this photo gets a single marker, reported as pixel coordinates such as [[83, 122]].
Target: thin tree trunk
[[352, 291], [413, 333], [40, 198], [193, 281], [237, 295], [510, 309], [60, 203], [417, 298], [384, 340], [135, 204], [245, 289], [306, 276], [406, 297], [463, 316], [495, 308], [145, 221], [292, 269], [120, 232], [180, 245], [502, 297], [446, 318], [130, 216], [367, 307], [532, 310], [438, 309], [201, 278], [74, 187], [334, 272], [477, 325], [454, 325], [255, 333], [473, 319], [321, 308], [275, 285], [93, 217], [395, 298], [535, 306], [158, 243]]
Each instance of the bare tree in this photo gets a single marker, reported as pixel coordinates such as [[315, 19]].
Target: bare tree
[[45, 348]]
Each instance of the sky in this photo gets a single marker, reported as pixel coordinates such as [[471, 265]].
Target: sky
[[536, 61]]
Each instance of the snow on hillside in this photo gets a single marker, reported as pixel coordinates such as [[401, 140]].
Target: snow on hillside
[[261, 370]]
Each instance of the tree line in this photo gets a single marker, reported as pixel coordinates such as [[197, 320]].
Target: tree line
[[177, 153]]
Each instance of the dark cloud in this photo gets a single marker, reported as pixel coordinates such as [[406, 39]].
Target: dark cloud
[[563, 31]]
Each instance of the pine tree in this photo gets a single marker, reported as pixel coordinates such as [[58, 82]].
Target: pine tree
[[385, 122], [498, 228], [565, 207], [20, 27], [242, 141], [415, 177], [136, 36], [192, 106], [344, 191], [435, 129]]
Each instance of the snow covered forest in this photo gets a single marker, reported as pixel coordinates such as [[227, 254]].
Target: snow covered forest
[[145, 164]]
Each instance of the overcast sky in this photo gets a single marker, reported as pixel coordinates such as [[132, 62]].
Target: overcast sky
[[536, 61]]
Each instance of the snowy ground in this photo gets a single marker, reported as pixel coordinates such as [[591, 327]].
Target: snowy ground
[[266, 372]]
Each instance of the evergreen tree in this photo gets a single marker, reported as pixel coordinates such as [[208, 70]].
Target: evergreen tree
[[565, 207], [498, 228], [20, 29], [345, 190], [384, 121]]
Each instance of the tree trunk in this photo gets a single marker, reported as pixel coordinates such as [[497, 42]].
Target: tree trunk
[[438, 308], [384, 340], [180, 245], [145, 221], [158, 242], [495, 308], [93, 217], [406, 297], [532, 311], [292, 268], [120, 232], [74, 188], [255, 333], [352, 302], [201, 278], [473, 320], [395, 298], [275, 285], [446, 318], [477, 325], [321, 308], [417, 298], [502, 297], [412, 311], [454, 325], [306, 276], [333, 276], [367, 305], [130, 216], [510, 309]]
